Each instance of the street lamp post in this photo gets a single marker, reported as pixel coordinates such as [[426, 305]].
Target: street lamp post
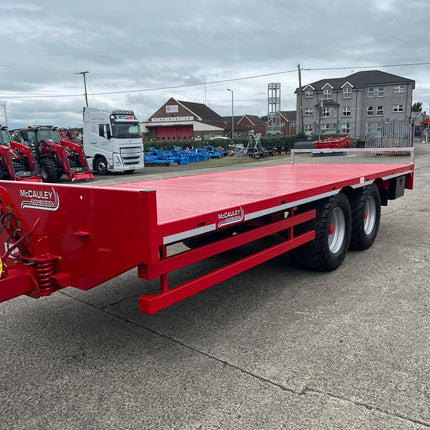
[[232, 113]]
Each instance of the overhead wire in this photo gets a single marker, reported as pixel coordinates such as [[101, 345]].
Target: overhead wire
[[221, 81]]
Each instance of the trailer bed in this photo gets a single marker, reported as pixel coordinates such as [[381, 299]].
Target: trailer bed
[[180, 200]]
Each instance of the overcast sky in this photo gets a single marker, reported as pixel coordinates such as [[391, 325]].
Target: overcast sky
[[138, 49]]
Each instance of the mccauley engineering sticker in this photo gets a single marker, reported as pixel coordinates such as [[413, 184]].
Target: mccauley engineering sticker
[[230, 217], [40, 199]]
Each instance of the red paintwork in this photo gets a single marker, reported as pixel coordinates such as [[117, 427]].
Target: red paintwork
[[17, 150], [61, 151], [82, 236], [332, 142]]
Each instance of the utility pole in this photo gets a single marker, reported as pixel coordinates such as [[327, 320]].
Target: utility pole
[[85, 85], [301, 130], [5, 114]]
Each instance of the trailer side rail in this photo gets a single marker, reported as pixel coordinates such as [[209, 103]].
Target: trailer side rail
[[374, 151]]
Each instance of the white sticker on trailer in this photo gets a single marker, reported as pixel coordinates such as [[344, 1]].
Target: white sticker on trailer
[[14, 253]]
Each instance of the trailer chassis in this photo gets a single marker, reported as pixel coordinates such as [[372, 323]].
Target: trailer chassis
[[55, 236]]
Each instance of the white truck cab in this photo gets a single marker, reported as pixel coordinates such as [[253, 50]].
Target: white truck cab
[[112, 140]]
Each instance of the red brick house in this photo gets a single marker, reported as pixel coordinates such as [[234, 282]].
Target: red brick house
[[288, 122], [180, 120]]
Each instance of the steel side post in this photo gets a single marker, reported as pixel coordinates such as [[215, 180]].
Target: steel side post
[[149, 226]]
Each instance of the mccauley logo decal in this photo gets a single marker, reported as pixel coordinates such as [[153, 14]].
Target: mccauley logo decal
[[38, 199], [230, 217]]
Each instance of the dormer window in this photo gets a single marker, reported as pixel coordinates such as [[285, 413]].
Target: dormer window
[[327, 93], [309, 93], [327, 90], [347, 92]]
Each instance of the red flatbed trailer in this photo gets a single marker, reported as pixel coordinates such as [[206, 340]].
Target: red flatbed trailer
[[57, 236]]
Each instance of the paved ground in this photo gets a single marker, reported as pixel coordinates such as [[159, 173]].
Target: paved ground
[[275, 347]]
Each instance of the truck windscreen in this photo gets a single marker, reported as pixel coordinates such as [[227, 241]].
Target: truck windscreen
[[126, 131], [4, 137]]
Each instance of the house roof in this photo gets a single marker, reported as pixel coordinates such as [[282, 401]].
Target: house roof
[[236, 119], [360, 80], [254, 119], [290, 115], [204, 112]]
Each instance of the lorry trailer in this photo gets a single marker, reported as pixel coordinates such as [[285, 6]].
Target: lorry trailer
[[58, 236]]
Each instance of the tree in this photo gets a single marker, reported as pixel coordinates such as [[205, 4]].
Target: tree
[[417, 107]]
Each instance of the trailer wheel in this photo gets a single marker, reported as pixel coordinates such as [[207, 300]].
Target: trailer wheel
[[366, 214], [48, 170], [332, 227], [100, 166]]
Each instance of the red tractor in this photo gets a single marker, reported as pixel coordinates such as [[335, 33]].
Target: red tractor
[[16, 161], [55, 156]]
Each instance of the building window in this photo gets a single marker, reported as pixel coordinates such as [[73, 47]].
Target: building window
[[325, 128], [347, 92], [370, 111], [308, 129], [325, 112], [327, 93], [309, 93], [346, 128], [309, 111], [380, 111], [398, 89], [346, 111], [381, 92], [293, 123], [371, 92], [398, 108]]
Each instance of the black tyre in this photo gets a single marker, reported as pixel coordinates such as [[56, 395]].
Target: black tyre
[[48, 170], [366, 215], [59, 174], [100, 166], [4, 173], [332, 227]]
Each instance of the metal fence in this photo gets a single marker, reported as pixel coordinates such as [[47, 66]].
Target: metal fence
[[396, 134]]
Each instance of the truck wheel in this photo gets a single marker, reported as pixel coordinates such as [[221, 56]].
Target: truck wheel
[[100, 166], [48, 170], [332, 227], [366, 214]]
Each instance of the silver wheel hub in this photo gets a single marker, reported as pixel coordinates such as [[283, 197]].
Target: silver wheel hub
[[337, 228]]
